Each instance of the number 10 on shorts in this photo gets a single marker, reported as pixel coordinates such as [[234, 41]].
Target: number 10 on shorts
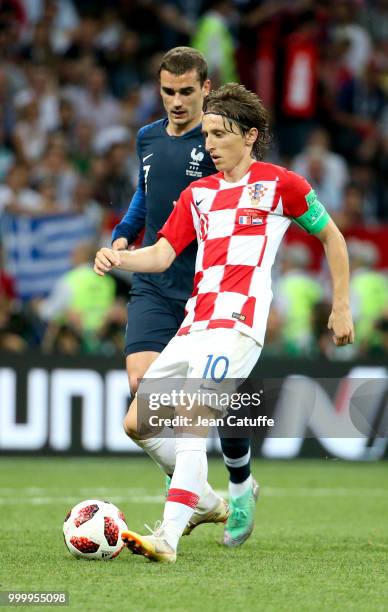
[[216, 367]]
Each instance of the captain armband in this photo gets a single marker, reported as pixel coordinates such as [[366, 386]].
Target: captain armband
[[315, 218]]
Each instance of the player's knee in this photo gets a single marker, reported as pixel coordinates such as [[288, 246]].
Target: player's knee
[[133, 382], [130, 425]]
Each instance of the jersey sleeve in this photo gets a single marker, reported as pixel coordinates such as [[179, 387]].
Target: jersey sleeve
[[301, 204], [179, 228], [134, 219]]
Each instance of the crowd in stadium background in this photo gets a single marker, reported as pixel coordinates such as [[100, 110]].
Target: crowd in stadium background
[[79, 78]]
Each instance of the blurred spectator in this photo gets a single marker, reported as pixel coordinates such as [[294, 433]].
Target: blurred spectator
[[30, 137], [40, 47], [47, 189], [360, 107], [296, 94], [15, 194], [141, 16], [63, 339], [274, 343], [7, 109], [368, 290], [111, 335], [7, 157], [333, 71], [345, 27], [326, 171], [16, 330], [150, 105], [44, 89], [59, 16], [55, 166], [353, 211], [12, 20], [113, 186], [379, 346], [296, 293], [374, 18], [122, 64], [66, 123], [81, 146], [83, 45], [178, 19], [94, 103], [83, 202], [111, 29], [78, 297], [214, 39]]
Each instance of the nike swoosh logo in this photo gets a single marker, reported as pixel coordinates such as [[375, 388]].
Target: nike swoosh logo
[[199, 203], [147, 156]]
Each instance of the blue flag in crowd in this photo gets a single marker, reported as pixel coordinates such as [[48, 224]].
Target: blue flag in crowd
[[37, 250]]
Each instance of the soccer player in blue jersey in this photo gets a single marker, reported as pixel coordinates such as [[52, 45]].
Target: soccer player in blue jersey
[[172, 154]]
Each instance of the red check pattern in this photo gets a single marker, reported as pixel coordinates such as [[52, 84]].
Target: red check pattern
[[239, 227]]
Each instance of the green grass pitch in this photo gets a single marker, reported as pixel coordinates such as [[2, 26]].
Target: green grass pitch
[[320, 541]]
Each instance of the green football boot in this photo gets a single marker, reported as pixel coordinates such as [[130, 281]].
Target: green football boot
[[240, 523], [167, 485]]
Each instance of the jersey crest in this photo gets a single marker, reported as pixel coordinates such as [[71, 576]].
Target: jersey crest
[[196, 156], [257, 192]]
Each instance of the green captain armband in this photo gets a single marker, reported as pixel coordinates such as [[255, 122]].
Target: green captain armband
[[315, 218]]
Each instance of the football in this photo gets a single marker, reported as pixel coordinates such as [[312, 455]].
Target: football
[[92, 530]]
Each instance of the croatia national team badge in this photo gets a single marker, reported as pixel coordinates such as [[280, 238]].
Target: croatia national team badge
[[256, 193]]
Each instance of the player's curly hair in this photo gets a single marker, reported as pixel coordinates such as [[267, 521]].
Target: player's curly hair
[[241, 107], [183, 59]]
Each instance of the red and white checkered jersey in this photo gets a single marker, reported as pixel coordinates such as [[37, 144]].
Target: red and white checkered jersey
[[239, 227]]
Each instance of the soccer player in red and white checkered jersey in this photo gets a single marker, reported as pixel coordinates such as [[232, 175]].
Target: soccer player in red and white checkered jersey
[[239, 217]]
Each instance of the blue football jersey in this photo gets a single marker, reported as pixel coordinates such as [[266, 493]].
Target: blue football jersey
[[168, 164]]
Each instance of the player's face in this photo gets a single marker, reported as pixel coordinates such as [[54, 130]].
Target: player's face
[[182, 98], [227, 149]]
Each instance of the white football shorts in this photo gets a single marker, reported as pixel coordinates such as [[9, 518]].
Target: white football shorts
[[215, 360]]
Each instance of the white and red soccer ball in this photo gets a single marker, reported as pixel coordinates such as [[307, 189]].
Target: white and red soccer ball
[[93, 528]]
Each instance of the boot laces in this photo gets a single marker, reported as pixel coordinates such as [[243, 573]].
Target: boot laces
[[157, 530]]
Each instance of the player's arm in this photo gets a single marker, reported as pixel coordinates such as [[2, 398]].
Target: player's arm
[[126, 232], [155, 258], [308, 212], [340, 320], [132, 223], [175, 235]]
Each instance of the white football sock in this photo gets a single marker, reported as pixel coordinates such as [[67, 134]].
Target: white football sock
[[162, 451], [187, 484], [236, 489], [208, 500]]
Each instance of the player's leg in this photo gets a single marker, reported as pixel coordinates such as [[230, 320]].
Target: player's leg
[[237, 458], [152, 323], [190, 473], [188, 482], [243, 491], [137, 365], [191, 462]]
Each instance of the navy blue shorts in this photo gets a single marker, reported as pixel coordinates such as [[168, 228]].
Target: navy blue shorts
[[152, 321]]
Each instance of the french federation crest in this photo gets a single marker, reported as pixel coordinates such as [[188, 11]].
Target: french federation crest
[[256, 193]]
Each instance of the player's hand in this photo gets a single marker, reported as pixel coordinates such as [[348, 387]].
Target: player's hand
[[340, 321], [105, 260], [120, 244]]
